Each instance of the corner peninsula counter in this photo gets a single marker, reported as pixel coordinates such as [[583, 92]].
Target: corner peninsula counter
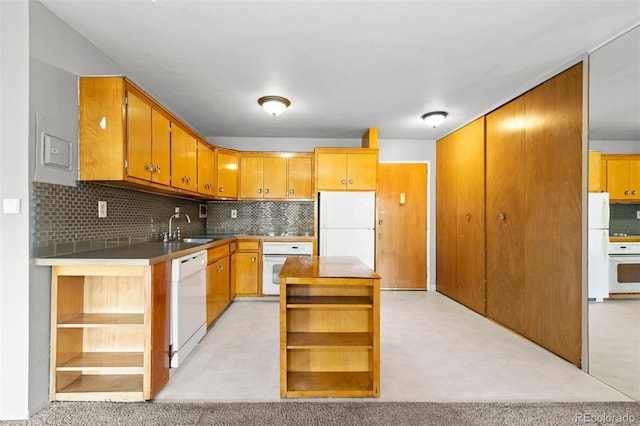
[[329, 328]]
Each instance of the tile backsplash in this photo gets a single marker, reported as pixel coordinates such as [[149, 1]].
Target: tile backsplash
[[64, 219], [623, 219], [260, 217]]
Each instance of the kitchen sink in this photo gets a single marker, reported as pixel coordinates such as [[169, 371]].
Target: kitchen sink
[[197, 240]]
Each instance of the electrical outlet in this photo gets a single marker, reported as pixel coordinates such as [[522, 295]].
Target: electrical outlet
[[638, 214], [102, 209], [234, 214]]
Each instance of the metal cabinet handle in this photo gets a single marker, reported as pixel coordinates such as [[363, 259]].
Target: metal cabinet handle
[[259, 190], [221, 189], [343, 181], [351, 181], [502, 216], [634, 192], [266, 191], [626, 192], [291, 191], [253, 259], [149, 167], [157, 170]]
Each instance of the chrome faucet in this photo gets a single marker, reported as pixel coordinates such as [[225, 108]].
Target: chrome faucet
[[176, 215]]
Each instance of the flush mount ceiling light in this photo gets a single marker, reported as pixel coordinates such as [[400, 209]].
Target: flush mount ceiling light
[[274, 105], [435, 118]]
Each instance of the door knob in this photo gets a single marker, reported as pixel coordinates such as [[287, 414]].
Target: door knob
[[468, 216], [502, 216], [380, 222]]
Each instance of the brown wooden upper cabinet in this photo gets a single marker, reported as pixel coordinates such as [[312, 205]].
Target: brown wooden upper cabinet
[[206, 169], [127, 138], [623, 177], [275, 176], [227, 173], [345, 169], [597, 182]]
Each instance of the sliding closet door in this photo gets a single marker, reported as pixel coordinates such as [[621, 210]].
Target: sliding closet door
[[534, 214]]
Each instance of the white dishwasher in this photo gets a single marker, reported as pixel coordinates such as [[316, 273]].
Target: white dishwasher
[[188, 304]]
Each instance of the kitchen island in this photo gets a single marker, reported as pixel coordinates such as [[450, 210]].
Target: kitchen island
[[329, 328]]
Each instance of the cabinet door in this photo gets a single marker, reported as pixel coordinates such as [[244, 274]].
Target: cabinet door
[[247, 274], [206, 169], [251, 177], [184, 163], [139, 163], [218, 288], [332, 171], [361, 171], [233, 270], [470, 220], [618, 179], [227, 169], [160, 148], [275, 177], [634, 179], [300, 178]]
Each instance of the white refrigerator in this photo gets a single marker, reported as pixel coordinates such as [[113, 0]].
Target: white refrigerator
[[598, 258], [347, 225]]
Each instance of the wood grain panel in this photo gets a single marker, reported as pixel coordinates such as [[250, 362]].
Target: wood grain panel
[[138, 137], [534, 178], [300, 177], [160, 148], [361, 171], [470, 216], [446, 221], [251, 177], [342, 359], [402, 261], [102, 152], [331, 171], [329, 320], [227, 173], [160, 337], [115, 294], [275, 177]]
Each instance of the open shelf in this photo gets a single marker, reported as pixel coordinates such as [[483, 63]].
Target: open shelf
[[123, 362], [337, 302], [328, 340], [102, 320], [114, 387], [335, 384]]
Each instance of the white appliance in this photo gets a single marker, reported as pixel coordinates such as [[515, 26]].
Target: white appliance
[[347, 225], [188, 304], [598, 246], [274, 254], [624, 268]]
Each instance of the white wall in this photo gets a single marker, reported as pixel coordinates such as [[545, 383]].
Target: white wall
[[14, 229], [616, 147], [29, 32]]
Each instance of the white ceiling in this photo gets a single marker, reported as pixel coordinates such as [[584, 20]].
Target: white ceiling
[[345, 65]]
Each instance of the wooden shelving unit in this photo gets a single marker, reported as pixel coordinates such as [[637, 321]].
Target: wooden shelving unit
[[101, 333], [329, 328]]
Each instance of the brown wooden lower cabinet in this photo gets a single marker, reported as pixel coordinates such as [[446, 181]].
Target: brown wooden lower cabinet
[[109, 332], [329, 328]]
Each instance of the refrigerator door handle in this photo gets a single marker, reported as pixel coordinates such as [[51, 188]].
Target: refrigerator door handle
[[605, 242], [605, 212]]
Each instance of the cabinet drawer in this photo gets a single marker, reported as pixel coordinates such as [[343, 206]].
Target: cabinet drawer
[[217, 252], [248, 245]]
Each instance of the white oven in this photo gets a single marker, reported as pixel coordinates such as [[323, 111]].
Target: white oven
[[624, 268], [274, 254]]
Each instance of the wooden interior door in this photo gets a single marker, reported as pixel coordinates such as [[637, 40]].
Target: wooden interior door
[[401, 229]]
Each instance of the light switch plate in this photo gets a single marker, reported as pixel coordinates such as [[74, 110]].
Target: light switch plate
[[11, 206], [234, 214]]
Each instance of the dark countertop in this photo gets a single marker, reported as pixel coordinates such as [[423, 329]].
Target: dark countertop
[[153, 252]]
